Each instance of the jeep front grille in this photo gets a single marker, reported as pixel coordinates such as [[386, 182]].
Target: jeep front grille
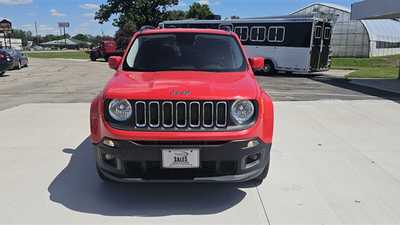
[[176, 115]]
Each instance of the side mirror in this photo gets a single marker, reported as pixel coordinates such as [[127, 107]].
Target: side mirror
[[257, 63], [114, 62]]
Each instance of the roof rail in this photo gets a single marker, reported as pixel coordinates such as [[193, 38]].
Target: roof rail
[[146, 27]]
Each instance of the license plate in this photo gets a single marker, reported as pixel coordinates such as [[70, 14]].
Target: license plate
[[180, 158]]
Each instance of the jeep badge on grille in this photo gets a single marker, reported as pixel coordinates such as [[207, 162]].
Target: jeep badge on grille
[[177, 93]]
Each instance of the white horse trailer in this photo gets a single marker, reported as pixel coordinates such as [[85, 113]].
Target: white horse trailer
[[288, 44]]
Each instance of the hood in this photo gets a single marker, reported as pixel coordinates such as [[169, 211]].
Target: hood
[[182, 85]]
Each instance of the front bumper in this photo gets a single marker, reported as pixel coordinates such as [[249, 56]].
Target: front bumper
[[4, 66], [220, 161]]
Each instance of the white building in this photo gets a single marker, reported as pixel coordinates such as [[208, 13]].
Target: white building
[[357, 38], [373, 9], [15, 42]]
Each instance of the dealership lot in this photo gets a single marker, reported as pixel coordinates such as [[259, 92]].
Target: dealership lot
[[334, 159]]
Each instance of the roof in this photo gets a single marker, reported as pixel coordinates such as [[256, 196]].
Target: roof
[[184, 30], [59, 42], [3, 18], [249, 20], [383, 30], [62, 42], [329, 5]]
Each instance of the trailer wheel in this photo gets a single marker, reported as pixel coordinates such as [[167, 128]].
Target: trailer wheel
[[93, 56], [269, 67]]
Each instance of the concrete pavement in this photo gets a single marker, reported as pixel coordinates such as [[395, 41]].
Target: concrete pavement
[[333, 162]]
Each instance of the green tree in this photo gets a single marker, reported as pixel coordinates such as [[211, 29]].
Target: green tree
[[52, 37], [199, 11], [124, 34], [176, 15], [82, 37], [138, 12], [25, 36]]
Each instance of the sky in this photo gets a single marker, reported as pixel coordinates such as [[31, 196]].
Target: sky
[[80, 13]]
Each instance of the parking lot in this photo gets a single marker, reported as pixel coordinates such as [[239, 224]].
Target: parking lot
[[335, 157]]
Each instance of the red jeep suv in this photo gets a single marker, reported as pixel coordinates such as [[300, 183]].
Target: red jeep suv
[[183, 106]]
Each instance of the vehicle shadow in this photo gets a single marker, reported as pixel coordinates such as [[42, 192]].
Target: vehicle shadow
[[371, 91], [78, 188]]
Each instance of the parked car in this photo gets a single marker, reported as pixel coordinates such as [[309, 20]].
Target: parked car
[[19, 59], [183, 105], [5, 62], [105, 50]]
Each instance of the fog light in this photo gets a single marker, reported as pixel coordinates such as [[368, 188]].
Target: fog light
[[252, 144], [109, 157], [109, 143]]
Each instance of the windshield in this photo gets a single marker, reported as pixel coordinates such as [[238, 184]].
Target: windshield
[[185, 51]]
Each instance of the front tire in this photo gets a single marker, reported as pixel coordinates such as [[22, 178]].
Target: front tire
[[19, 65], [269, 67], [2, 73], [93, 56]]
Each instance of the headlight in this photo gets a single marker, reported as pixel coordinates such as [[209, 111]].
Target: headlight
[[242, 111], [120, 109]]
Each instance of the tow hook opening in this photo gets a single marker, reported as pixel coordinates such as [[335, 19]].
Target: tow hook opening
[[252, 160]]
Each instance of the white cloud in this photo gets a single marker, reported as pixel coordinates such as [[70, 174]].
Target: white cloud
[[209, 2], [43, 29], [90, 15], [15, 2], [56, 13], [203, 2], [90, 6], [27, 26]]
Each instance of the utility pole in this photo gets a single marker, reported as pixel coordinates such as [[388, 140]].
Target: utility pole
[[63, 26], [65, 38], [37, 35]]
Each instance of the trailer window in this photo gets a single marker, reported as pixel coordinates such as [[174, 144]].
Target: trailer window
[[327, 34], [276, 34], [258, 34], [242, 32], [226, 27], [318, 32]]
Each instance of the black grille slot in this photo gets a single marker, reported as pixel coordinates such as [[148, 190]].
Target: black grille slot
[[195, 114], [168, 114], [181, 114], [222, 114], [208, 114], [154, 114], [140, 114]]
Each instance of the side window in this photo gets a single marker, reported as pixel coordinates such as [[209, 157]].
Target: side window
[[327, 33], [242, 32], [276, 34], [258, 34], [280, 34], [225, 27], [318, 32]]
